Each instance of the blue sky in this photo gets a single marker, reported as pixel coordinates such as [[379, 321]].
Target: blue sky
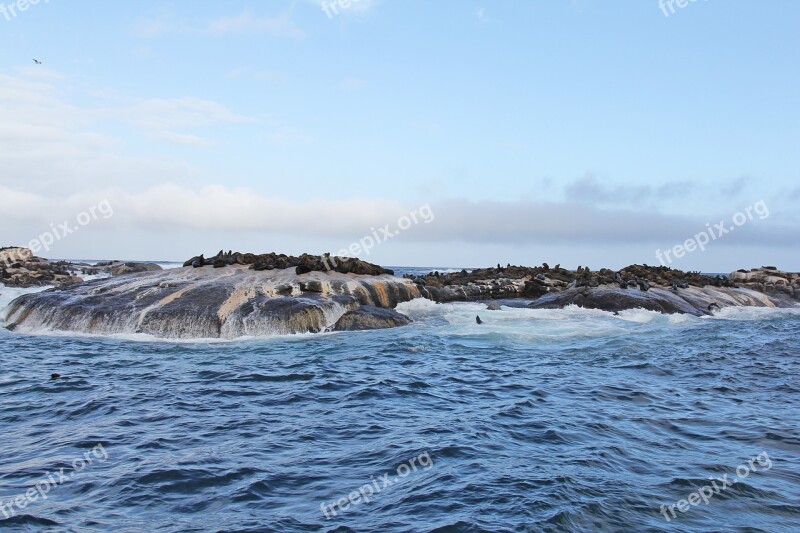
[[562, 131]]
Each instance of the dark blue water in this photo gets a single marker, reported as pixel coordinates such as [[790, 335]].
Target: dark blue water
[[534, 421]]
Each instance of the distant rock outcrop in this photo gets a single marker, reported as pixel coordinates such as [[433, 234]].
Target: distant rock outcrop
[[303, 264], [768, 279], [119, 268], [649, 287], [20, 268]]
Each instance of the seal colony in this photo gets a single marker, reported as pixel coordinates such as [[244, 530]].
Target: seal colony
[[233, 295]]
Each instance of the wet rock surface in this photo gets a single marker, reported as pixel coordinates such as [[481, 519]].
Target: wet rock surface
[[213, 303], [695, 300], [369, 317]]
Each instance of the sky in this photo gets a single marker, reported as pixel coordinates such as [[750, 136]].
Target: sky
[[577, 132]]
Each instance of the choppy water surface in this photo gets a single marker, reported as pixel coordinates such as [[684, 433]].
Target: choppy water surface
[[569, 420]]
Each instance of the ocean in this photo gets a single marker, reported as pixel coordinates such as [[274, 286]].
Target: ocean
[[536, 420]]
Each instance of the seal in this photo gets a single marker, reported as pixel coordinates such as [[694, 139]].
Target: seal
[[478, 320]]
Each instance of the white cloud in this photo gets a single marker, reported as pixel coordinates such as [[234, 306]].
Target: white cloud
[[591, 190], [167, 113], [165, 22], [48, 143], [171, 209], [280, 25], [49, 149], [184, 139], [161, 24], [39, 71]]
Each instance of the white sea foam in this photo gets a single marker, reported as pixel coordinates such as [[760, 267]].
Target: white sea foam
[[170, 265], [458, 319], [147, 338], [514, 322], [8, 294], [571, 321], [747, 314]]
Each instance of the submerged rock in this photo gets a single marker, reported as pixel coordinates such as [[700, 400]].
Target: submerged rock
[[369, 317]]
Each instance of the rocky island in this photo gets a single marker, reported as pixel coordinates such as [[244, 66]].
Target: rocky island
[[232, 295], [655, 288], [20, 268]]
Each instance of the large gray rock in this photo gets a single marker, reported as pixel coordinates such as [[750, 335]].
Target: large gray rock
[[694, 300], [369, 317], [210, 303]]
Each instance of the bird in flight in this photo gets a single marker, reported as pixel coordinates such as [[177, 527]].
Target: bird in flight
[[37, 61]]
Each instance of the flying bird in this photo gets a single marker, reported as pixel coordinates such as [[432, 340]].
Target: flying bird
[[37, 61]]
